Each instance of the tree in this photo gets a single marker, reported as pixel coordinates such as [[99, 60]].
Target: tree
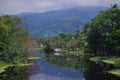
[[101, 29], [12, 40]]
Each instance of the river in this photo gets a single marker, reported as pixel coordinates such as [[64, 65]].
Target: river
[[51, 67], [44, 70]]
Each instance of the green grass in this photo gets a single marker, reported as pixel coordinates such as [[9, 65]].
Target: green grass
[[23, 64], [3, 66], [33, 58], [109, 61], [114, 61], [74, 53], [115, 72], [97, 59]]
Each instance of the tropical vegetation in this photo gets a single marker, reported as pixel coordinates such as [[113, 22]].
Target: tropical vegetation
[[100, 39], [13, 37]]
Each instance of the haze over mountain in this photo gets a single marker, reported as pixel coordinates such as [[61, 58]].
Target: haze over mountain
[[57, 21]]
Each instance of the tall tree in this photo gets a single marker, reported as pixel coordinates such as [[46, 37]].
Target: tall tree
[[12, 40], [102, 30]]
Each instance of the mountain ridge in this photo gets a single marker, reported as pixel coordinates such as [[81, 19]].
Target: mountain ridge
[[56, 21]]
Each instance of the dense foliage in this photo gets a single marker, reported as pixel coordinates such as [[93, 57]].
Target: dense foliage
[[67, 42], [12, 40], [103, 35], [104, 32]]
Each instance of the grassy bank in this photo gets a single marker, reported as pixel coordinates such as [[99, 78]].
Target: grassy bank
[[115, 61]]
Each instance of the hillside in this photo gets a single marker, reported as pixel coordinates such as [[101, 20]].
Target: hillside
[[54, 22]]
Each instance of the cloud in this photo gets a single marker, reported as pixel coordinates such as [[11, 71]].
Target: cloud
[[18, 6], [45, 5]]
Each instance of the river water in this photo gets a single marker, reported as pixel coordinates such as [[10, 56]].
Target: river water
[[51, 67], [44, 70]]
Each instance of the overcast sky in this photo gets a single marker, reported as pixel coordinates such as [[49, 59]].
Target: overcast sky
[[19, 6]]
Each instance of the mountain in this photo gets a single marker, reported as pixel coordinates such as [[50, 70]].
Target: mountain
[[56, 21]]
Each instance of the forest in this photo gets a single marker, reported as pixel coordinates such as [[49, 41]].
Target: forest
[[13, 50]]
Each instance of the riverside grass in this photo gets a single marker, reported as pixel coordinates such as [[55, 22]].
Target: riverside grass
[[112, 60], [33, 58], [115, 72], [4, 65], [115, 61]]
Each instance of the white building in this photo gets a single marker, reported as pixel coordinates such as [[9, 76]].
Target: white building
[[57, 51]]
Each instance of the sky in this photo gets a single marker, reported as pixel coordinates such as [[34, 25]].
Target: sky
[[19, 6]]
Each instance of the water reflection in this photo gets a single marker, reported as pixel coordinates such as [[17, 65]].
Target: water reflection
[[48, 71], [66, 61], [91, 70]]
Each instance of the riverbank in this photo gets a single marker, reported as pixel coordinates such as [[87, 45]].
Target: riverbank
[[114, 61], [32, 46]]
